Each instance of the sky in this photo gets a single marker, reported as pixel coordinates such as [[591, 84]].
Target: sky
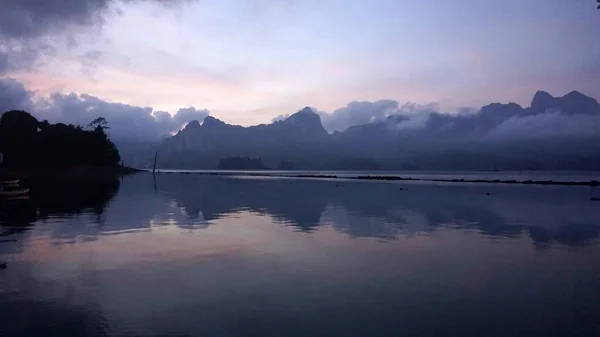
[[248, 61]]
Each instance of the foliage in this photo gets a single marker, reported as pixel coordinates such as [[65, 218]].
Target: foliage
[[26, 142]]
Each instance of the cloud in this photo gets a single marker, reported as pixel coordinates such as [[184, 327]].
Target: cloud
[[416, 121], [4, 63], [492, 122], [363, 112], [356, 113], [550, 124], [280, 118], [467, 111], [14, 96], [189, 114], [29, 28], [33, 18], [130, 122], [127, 122], [25, 26]]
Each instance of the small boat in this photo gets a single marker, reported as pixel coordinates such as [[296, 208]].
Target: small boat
[[19, 197], [14, 193], [10, 188], [10, 182]]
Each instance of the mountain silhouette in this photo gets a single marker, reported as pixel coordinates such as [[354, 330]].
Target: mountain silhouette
[[553, 133], [571, 104]]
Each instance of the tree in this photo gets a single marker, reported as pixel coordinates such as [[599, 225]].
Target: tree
[[18, 134], [19, 122], [99, 122]]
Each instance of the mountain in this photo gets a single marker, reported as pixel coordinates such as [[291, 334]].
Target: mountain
[[303, 123], [203, 145], [553, 133], [573, 103]]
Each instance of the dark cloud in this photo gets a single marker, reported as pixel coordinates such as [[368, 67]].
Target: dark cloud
[[14, 96], [127, 122], [4, 63], [18, 55], [25, 25], [26, 19]]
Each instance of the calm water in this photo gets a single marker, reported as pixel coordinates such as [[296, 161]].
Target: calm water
[[190, 255], [562, 176]]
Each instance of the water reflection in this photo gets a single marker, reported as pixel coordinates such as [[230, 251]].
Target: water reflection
[[545, 214], [55, 199], [215, 256], [386, 210]]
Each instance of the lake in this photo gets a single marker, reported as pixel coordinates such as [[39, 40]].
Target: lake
[[197, 255]]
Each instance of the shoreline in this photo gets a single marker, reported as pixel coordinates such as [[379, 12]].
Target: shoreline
[[75, 173], [591, 183]]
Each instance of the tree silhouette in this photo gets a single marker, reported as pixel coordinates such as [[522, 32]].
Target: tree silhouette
[[27, 143], [99, 122]]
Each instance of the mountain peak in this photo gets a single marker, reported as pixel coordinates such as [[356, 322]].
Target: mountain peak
[[307, 114], [210, 121], [572, 103], [541, 101], [307, 121], [575, 95], [193, 125], [306, 110], [578, 103]]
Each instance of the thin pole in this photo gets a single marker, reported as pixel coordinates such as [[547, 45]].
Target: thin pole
[[154, 167]]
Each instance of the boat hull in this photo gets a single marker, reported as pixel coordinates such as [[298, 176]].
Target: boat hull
[[14, 193]]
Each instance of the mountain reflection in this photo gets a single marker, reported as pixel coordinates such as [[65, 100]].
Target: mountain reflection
[[545, 214], [299, 203], [386, 210]]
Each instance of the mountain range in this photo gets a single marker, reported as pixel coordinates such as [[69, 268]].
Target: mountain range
[[553, 133]]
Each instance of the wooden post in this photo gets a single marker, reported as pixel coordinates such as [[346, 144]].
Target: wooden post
[[154, 167]]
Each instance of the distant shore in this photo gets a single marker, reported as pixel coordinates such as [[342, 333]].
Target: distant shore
[[393, 178]]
